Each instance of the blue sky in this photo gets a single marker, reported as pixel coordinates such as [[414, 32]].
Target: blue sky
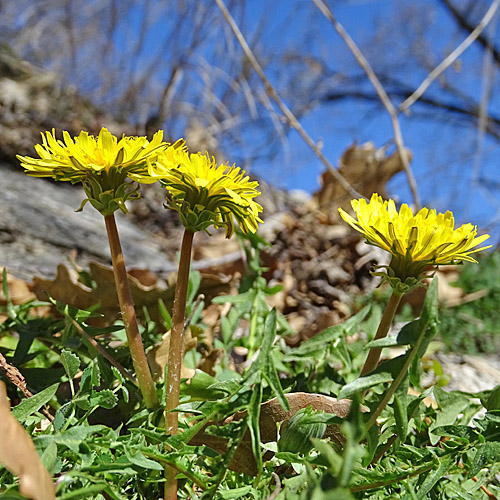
[[443, 157], [444, 154]]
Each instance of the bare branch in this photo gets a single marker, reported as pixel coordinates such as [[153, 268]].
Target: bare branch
[[386, 101], [464, 23], [451, 58], [271, 91], [487, 88], [492, 122]]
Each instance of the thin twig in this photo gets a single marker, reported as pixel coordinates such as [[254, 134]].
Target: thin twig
[[488, 493], [451, 58], [16, 377], [487, 87], [464, 23], [277, 488], [386, 101], [271, 91], [195, 306], [103, 352]]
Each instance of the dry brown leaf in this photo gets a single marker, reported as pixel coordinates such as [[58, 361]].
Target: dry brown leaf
[[19, 293], [18, 454], [209, 360], [271, 413], [366, 168], [158, 355], [19, 290], [429, 401], [67, 288], [145, 286], [64, 286], [209, 355]]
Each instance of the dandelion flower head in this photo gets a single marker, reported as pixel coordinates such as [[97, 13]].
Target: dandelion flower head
[[74, 159], [415, 241], [205, 192]]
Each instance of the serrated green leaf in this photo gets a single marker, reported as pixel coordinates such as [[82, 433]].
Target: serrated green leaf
[[400, 406], [71, 438], [229, 386], [253, 424], [202, 387], [326, 337], [140, 460], [84, 493], [434, 475], [70, 362], [125, 392], [384, 342], [91, 377], [49, 457], [271, 376], [451, 404], [266, 346], [29, 406], [459, 491], [235, 493], [430, 307], [117, 374], [363, 383], [105, 399], [486, 453], [462, 432]]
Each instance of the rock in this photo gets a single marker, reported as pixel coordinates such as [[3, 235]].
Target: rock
[[40, 229], [470, 373]]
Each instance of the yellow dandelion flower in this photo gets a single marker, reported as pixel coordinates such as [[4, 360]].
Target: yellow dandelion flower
[[103, 164], [415, 241], [74, 159], [206, 193]]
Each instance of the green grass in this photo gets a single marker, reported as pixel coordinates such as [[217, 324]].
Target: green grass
[[474, 327]]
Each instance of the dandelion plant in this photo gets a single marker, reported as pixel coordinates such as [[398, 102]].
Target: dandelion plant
[[108, 169], [204, 193], [418, 244]]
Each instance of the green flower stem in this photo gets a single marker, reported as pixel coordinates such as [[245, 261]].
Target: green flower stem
[[385, 323], [394, 386], [175, 356], [134, 339]]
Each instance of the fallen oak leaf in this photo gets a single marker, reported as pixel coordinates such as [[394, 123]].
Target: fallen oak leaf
[[271, 413], [18, 454], [158, 355], [146, 288]]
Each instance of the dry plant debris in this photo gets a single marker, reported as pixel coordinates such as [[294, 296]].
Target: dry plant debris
[[272, 414], [147, 289], [18, 454]]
